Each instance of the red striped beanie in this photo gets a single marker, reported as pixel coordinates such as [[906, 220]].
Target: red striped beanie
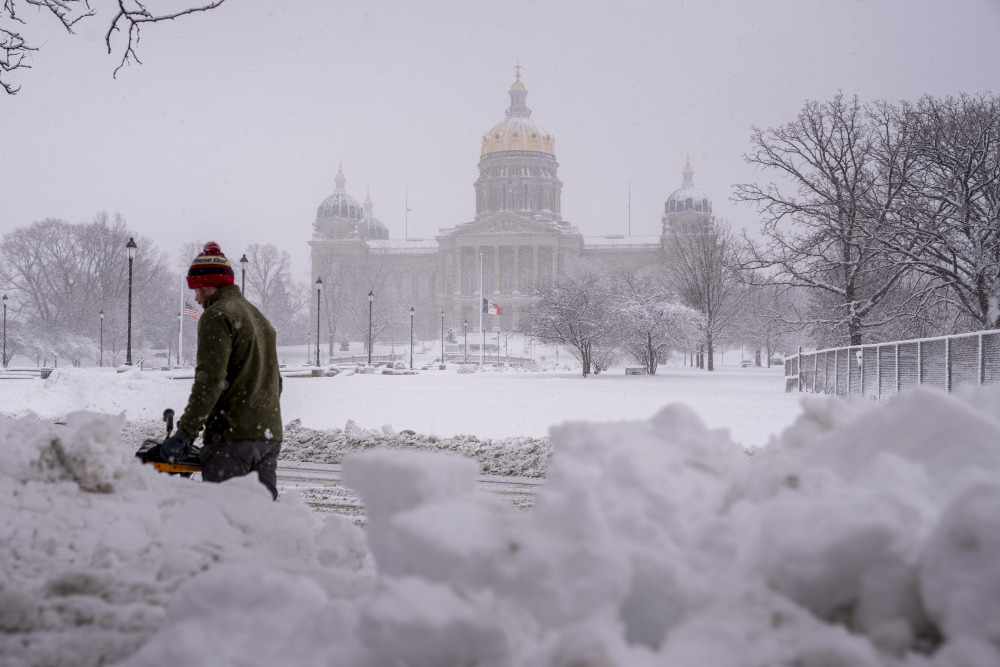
[[210, 268]]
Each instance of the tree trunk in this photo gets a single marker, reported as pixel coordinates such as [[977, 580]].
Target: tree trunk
[[711, 352], [650, 355], [854, 329], [757, 358]]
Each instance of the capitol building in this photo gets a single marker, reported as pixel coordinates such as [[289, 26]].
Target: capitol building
[[517, 241]]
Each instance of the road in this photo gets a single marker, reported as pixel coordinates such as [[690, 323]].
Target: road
[[321, 486]]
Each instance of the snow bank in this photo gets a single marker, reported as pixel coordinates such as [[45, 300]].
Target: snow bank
[[864, 535], [518, 456], [93, 545]]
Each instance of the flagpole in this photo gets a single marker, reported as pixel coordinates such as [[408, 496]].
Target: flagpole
[[180, 329], [482, 352], [406, 216]]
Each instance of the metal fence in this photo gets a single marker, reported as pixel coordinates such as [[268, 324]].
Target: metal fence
[[880, 370]]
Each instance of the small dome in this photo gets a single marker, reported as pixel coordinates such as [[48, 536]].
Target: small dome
[[370, 226], [688, 197], [373, 229], [340, 204]]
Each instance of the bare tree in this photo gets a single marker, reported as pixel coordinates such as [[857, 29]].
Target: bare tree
[[347, 281], [574, 311], [700, 267], [951, 232], [62, 276], [767, 319], [15, 50], [842, 170]]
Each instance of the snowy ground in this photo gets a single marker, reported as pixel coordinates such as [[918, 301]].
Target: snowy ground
[[750, 402], [863, 535]]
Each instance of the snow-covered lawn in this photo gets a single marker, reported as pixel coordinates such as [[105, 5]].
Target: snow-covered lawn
[[750, 402], [863, 535]]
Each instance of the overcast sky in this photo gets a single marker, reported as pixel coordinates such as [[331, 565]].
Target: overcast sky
[[233, 127]]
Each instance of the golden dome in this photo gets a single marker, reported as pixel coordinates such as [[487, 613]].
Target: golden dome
[[517, 132]]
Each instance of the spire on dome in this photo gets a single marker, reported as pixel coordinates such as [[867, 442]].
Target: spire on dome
[[368, 203], [340, 180], [518, 95], [688, 172]]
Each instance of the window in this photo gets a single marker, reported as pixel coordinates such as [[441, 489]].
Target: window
[[544, 266], [488, 264], [468, 270], [525, 267], [506, 258]]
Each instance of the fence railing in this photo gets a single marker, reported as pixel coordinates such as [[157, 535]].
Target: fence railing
[[880, 370]]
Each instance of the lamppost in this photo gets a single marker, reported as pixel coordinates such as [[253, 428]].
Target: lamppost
[[465, 332], [243, 265], [4, 360], [371, 298], [442, 336], [319, 290], [498, 348], [411, 337], [101, 315], [130, 248]]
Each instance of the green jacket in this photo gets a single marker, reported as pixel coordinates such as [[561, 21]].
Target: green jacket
[[236, 382]]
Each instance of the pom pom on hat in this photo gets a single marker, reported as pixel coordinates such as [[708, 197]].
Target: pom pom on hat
[[210, 268]]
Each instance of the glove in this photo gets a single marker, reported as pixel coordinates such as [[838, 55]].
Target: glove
[[173, 447]]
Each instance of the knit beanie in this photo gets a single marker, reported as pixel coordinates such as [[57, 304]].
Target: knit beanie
[[210, 268]]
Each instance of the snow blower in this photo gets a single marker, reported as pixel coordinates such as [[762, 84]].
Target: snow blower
[[150, 453]]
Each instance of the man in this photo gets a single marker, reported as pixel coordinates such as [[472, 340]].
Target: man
[[237, 385]]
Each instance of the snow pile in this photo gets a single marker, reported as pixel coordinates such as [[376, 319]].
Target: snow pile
[[866, 535], [520, 456], [94, 545]]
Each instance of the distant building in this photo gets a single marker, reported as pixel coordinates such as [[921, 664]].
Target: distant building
[[518, 240]]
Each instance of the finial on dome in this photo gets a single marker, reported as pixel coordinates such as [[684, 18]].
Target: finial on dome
[[517, 85], [687, 163], [340, 170], [368, 196]]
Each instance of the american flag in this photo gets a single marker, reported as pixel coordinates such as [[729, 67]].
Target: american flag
[[191, 311]]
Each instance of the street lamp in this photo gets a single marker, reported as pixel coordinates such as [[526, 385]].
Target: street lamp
[[442, 336], [319, 289], [243, 265], [371, 298], [130, 248], [465, 331], [4, 360], [101, 315], [411, 337]]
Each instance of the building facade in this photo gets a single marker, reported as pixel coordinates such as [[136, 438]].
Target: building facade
[[516, 242]]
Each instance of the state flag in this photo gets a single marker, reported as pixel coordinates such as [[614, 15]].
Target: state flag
[[490, 308]]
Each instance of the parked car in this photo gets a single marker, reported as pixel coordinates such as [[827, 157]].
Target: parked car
[[746, 363], [777, 361]]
